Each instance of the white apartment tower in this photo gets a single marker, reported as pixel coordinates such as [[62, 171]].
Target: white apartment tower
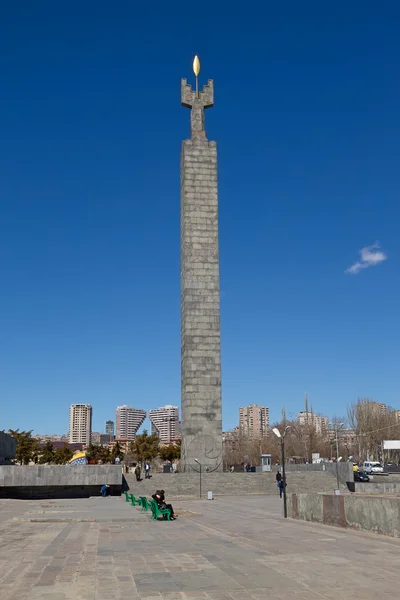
[[129, 420], [254, 421], [319, 423], [80, 423], [165, 421]]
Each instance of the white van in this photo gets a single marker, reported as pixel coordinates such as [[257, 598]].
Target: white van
[[371, 466]]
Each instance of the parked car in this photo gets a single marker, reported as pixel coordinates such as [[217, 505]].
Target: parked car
[[371, 466], [361, 476]]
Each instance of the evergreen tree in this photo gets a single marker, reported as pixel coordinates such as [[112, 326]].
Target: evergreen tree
[[106, 454], [26, 446], [47, 454], [63, 455], [170, 453], [92, 453], [146, 447], [116, 451]]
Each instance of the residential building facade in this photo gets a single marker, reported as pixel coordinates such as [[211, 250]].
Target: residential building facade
[[110, 430], [165, 422], [254, 421], [80, 424], [370, 407], [128, 419], [320, 424]]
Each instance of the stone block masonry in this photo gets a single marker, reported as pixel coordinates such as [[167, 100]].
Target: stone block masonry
[[200, 293], [184, 485], [58, 481], [379, 514]]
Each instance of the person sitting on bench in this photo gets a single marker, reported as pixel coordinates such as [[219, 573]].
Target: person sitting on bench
[[159, 497]]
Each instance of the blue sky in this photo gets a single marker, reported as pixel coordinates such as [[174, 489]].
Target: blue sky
[[307, 123]]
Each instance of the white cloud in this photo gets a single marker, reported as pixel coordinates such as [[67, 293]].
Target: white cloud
[[370, 257]]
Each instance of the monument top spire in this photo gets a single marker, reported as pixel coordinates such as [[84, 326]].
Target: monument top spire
[[197, 101]]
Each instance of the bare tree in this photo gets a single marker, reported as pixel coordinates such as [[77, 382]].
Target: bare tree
[[372, 423]]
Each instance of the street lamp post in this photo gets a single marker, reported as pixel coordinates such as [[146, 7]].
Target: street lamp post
[[199, 463], [337, 425], [282, 438]]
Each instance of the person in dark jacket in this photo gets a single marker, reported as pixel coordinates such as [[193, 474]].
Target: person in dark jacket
[[159, 497], [278, 477], [137, 472], [281, 486]]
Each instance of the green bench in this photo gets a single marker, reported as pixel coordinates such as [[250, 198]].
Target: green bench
[[141, 501], [159, 512], [145, 504], [135, 501]]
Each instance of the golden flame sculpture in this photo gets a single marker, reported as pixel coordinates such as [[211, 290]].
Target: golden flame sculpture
[[196, 66]]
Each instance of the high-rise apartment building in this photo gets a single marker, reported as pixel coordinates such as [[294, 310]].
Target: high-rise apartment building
[[319, 423], [165, 421], [370, 407], [80, 424], [109, 430], [129, 420], [254, 421]]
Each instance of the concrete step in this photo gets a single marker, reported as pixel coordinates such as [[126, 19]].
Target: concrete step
[[229, 484]]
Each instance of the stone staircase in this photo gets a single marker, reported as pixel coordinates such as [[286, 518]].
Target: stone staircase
[[180, 485]]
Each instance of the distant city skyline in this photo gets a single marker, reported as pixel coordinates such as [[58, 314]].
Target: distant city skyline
[[321, 421]]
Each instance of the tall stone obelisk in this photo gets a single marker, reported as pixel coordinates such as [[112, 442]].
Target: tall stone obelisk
[[200, 296]]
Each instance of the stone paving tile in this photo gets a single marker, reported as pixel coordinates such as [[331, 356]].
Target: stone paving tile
[[235, 551]]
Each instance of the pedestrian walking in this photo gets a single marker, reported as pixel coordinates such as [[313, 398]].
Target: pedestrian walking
[[281, 486], [147, 471], [137, 472]]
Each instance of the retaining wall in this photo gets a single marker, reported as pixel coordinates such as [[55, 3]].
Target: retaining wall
[[58, 481], [378, 514], [387, 487], [228, 484], [345, 470]]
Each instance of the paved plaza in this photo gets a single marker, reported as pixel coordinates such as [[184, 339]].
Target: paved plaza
[[229, 548]]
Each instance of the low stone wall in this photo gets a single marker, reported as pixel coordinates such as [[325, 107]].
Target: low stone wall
[[345, 470], [377, 514], [228, 484], [58, 481], [387, 487], [8, 447]]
